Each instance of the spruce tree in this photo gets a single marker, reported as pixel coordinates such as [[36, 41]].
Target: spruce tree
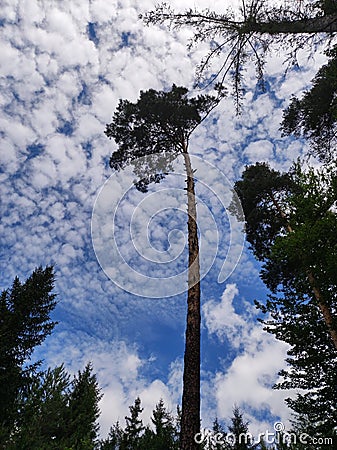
[[164, 429], [83, 410], [115, 439], [25, 322], [134, 427], [42, 417], [239, 432], [219, 441]]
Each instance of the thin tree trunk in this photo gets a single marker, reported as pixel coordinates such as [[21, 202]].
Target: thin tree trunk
[[325, 310], [320, 24], [190, 419], [323, 306], [323, 24]]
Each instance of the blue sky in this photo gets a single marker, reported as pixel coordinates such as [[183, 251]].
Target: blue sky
[[64, 66]]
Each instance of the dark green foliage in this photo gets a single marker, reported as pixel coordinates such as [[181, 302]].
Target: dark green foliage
[[292, 229], [327, 6], [220, 442], [261, 190], [314, 116], [115, 439], [239, 430], [83, 410], [134, 427], [310, 242], [153, 131], [290, 225], [42, 420], [40, 410], [295, 319], [238, 436], [24, 324], [164, 435], [55, 413]]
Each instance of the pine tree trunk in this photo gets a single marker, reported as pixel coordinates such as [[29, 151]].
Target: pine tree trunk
[[325, 310], [323, 24], [190, 420]]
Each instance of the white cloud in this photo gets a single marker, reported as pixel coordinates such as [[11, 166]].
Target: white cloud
[[118, 367], [248, 380], [47, 60], [259, 151], [20, 135], [61, 23], [221, 318]]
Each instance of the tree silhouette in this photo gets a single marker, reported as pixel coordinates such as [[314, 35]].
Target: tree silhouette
[[150, 134], [164, 434], [134, 426], [25, 323], [83, 409], [239, 430]]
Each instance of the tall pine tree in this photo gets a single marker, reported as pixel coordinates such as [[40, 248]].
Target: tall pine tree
[[152, 133], [291, 226]]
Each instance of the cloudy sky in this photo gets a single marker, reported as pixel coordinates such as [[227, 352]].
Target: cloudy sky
[[119, 255]]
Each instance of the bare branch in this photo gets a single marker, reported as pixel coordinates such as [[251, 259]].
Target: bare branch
[[250, 34]]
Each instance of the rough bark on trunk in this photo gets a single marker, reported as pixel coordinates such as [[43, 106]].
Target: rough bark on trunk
[[190, 420], [323, 306]]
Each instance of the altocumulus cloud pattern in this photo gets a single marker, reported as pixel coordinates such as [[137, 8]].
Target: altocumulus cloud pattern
[[119, 225], [64, 66]]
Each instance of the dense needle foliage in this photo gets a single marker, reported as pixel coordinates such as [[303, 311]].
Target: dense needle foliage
[[291, 226]]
